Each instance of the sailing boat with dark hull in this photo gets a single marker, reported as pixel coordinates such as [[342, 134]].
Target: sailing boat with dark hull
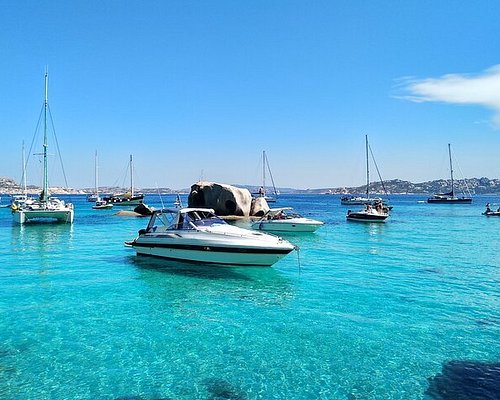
[[126, 199], [449, 198]]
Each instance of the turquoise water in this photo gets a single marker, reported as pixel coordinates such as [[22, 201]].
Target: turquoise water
[[373, 311]]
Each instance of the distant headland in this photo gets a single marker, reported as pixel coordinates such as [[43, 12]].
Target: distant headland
[[394, 186]]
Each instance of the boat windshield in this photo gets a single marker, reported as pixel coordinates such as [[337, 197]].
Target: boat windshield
[[161, 221], [284, 214], [203, 218]]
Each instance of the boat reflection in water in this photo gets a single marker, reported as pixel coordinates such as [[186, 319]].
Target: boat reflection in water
[[198, 235]]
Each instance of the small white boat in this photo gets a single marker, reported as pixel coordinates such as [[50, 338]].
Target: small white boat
[[101, 205], [92, 197], [198, 235], [285, 220]]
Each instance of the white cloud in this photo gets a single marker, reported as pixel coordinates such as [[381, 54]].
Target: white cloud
[[481, 89]]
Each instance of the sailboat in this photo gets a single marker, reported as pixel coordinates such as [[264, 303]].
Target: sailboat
[[99, 203], [19, 200], [130, 198], [361, 200], [46, 207], [262, 192], [449, 198], [374, 211]]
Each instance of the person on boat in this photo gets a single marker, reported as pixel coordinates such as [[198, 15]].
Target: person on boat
[[261, 191], [488, 209], [378, 206]]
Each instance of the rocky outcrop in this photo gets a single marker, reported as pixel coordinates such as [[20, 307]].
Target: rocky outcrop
[[143, 210], [259, 207], [224, 199]]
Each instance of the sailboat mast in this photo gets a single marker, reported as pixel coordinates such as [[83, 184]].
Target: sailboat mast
[[25, 186], [131, 177], [96, 176], [367, 167], [45, 191], [451, 170], [264, 171]]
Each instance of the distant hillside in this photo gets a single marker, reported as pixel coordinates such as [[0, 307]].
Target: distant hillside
[[395, 186]]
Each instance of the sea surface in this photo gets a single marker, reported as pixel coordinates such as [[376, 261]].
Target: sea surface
[[409, 309]]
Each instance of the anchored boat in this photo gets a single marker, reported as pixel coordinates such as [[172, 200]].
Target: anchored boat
[[449, 198], [285, 220], [46, 207], [198, 235]]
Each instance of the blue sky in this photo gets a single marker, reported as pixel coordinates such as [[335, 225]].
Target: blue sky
[[200, 88]]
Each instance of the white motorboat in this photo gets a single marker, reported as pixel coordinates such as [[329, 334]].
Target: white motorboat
[[46, 207], [198, 235], [285, 220]]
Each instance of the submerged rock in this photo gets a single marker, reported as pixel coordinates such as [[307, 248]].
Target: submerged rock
[[220, 389], [466, 380]]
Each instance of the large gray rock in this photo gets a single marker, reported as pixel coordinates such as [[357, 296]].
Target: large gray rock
[[224, 199], [259, 207]]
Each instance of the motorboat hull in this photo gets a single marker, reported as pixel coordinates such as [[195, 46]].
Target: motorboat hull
[[363, 216], [287, 225], [106, 206], [199, 247], [492, 213]]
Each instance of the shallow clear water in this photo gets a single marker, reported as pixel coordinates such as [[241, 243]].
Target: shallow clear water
[[373, 311]]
